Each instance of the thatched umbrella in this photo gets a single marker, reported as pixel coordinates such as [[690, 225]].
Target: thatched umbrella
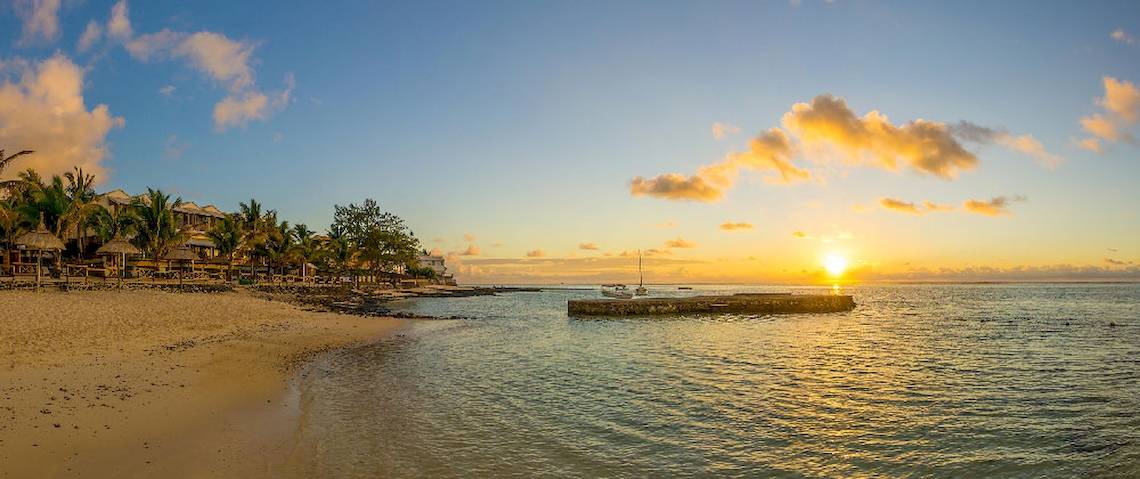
[[122, 248], [181, 253], [40, 240]]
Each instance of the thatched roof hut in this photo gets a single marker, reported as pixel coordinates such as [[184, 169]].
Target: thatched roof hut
[[40, 239], [118, 246]]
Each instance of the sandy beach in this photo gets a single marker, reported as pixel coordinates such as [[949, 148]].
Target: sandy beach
[[147, 383]]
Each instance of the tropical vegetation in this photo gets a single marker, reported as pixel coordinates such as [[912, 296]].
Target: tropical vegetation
[[362, 240]]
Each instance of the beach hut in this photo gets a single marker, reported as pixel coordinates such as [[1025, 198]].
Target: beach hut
[[181, 254], [121, 248], [40, 240]]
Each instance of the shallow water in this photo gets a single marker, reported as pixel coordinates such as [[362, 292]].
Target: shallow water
[[946, 380]]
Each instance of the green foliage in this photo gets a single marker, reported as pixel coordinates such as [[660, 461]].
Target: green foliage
[[156, 231], [420, 271], [375, 238], [109, 224]]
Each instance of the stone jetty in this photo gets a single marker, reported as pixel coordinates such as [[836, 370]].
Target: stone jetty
[[741, 303]]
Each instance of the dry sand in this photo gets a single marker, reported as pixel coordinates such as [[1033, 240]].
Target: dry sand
[[149, 384]]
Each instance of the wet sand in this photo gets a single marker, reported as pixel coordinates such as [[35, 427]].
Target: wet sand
[[147, 383]]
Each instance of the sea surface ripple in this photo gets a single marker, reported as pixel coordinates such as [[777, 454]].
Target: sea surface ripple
[[917, 381]]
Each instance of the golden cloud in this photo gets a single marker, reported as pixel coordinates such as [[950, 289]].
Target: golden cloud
[[472, 250], [588, 246], [801, 234], [730, 226], [770, 151], [1121, 98], [45, 111], [826, 126], [900, 206], [932, 206], [907, 207], [925, 146], [535, 253], [680, 243], [1121, 104], [996, 206], [1100, 126], [675, 186], [721, 130], [1090, 144]]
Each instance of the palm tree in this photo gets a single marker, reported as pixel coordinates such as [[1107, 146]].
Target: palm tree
[[81, 192], [255, 233], [7, 160], [279, 242], [49, 199], [11, 222], [305, 247], [109, 224], [157, 231], [227, 237]]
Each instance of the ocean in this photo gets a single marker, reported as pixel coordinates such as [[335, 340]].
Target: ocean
[[996, 380]]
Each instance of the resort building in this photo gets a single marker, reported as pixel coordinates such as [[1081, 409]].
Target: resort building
[[436, 263], [197, 220]]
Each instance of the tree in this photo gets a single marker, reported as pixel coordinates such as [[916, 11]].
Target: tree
[[279, 242], [81, 193], [11, 222], [156, 230], [255, 233], [109, 224], [376, 237], [6, 160], [47, 199], [305, 246], [227, 237]]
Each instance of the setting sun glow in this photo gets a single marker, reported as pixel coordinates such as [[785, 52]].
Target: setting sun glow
[[834, 264]]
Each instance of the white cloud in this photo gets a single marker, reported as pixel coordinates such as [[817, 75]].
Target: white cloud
[[225, 61], [40, 19], [119, 26], [239, 109], [44, 110], [1122, 36], [167, 90], [91, 35], [1026, 144], [721, 130]]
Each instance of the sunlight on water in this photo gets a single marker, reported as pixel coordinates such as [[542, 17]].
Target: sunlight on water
[[950, 381]]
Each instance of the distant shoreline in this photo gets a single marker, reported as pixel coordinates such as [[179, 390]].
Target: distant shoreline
[[587, 286]]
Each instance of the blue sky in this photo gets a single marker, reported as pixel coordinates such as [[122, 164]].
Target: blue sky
[[522, 123]]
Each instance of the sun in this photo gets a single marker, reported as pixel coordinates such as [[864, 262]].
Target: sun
[[835, 264]]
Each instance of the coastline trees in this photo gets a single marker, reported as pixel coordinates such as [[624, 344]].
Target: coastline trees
[[156, 231], [361, 238], [254, 232], [376, 239], [81, 195], [227, 236]]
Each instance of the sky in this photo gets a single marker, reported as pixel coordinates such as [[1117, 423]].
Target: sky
[[549, 142]]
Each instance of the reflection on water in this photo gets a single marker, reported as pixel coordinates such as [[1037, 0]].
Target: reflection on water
[[950, 381]]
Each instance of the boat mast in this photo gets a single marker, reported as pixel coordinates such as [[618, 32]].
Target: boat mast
[[640, 274]]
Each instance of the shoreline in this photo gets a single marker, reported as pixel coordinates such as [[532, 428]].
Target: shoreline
[[147, 383]]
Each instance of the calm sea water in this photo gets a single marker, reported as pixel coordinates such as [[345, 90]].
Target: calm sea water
[[945, 381]]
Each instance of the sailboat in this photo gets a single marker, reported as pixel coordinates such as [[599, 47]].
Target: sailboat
[[640, 291]]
